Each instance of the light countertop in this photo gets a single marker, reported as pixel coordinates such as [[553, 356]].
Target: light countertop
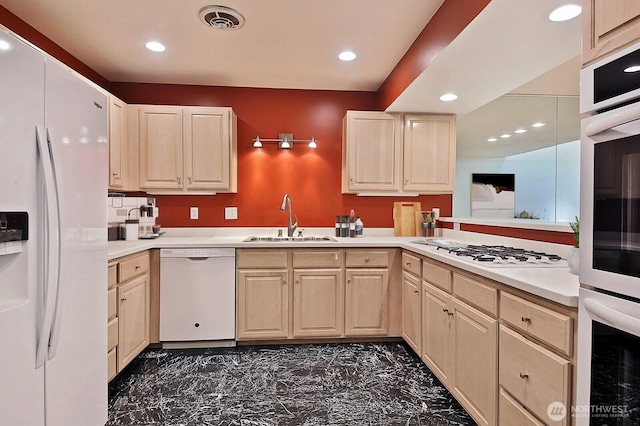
[[553, 283]]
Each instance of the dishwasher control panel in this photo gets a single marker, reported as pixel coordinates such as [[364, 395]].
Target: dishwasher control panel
[[197, 252]]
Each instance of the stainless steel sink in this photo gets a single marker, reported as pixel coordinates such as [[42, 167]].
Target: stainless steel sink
[[287, 239]]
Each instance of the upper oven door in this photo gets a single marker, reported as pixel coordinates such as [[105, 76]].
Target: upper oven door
[[610, 201], [615, 80]]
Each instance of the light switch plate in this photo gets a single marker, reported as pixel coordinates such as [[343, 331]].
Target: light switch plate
[[231, 213], [193, 213]]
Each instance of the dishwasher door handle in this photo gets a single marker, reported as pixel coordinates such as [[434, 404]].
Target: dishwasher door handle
[[199, 259]]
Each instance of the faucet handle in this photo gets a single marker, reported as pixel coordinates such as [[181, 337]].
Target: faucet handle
[[300, 232], [279, 232]]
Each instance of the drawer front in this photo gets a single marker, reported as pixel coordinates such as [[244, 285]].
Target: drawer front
[[261, 259], [476, 293], [411, 264], [437, 275], [112, 274], [535, 376], [112, 334], [111, 304], [112, 359], [367, 259], [133, 266], [317, 259], [512, 413], [552, 327]]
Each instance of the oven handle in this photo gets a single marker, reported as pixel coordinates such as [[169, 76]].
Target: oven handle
[[602, 124], [615, 318]]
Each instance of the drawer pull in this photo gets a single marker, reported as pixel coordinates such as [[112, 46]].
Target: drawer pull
[[124, 299], [524, 376], [137, 267], [367, 259], [447, 312], [415, 291], [526, 319], [408, 263]]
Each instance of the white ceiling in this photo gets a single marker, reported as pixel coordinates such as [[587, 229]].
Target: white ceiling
[[283, 44]]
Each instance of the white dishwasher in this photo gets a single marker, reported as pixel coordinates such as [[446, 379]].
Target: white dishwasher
[[197, 294]]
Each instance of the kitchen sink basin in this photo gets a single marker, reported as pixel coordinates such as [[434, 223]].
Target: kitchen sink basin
[[287, 239]]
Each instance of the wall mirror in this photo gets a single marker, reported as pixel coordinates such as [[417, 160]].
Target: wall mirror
[[534, 137]]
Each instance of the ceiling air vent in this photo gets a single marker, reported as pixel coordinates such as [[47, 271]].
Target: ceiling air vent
[[222, 18]]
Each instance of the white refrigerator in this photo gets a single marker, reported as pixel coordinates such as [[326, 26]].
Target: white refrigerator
[[53, 305]]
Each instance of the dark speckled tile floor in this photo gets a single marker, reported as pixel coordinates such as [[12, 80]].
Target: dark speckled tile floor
[[328, 384]]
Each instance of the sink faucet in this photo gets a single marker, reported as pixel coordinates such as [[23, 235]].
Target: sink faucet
[[291, 227]]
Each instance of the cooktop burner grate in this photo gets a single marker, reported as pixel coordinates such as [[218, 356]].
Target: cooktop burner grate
[[502, 254]]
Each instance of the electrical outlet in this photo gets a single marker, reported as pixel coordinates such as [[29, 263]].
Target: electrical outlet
[[193, 214], [231, 213]]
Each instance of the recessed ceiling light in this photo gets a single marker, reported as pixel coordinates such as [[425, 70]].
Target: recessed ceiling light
[[506, 135], [347, 56], [447, 97], [537, 124], [634, 68], [520, 131], [5, 45], [565, 12], [492, 140], [155, 46]]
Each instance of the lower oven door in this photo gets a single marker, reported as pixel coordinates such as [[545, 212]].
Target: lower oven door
[[608, 382]]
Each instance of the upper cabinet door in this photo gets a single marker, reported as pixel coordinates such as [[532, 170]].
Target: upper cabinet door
[[209, 149], [160, 141], [118, 158], [371, 149], [429, 153], [608, 26]]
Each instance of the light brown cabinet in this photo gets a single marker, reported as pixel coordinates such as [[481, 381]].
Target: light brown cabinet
[[262, 310], [412, 301], [460, 343], [536, 357], [128, 310], [133, 319], [187, 149], [118, 144], [371, 152], [608, 27], [333, 294], [429, 153], [318, 303], [395, 153], [367, 293]]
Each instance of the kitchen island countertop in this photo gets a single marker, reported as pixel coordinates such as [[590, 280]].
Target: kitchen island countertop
[[553, 283]]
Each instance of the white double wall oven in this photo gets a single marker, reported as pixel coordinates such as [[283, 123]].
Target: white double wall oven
[[608, 382]]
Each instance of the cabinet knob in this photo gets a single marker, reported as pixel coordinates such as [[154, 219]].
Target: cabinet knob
[[178, 179], [298, 282], [524, 376], [445, 310], [189, 179], [526, 319], [124, 299], [367, 259], [416, 291], [115, 174], [137, 266]]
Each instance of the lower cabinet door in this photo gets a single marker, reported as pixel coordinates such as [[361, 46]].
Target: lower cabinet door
[[318, 303], [366, 302], [411, 321], [263, 304], [133, 319], [476, 362], [437, 329]]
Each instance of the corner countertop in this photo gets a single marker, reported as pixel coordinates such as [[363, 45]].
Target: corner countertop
[[553, 283]]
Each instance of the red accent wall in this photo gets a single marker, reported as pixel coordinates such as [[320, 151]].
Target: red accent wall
[[311, 177]]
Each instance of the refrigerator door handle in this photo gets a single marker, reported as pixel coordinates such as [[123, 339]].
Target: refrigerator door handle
[[47, 309], [58, 301]]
